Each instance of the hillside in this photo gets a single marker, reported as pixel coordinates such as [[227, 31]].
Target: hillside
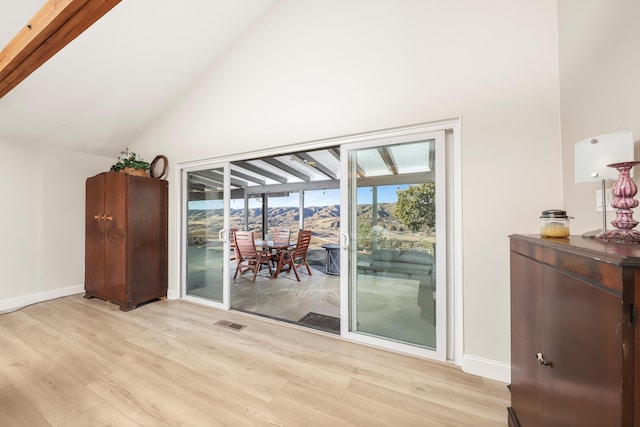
[[323, 220]]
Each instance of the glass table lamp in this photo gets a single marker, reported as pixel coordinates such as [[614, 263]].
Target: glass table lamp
[[624, 189]]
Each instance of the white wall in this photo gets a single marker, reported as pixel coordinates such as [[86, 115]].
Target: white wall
[[599, 80], [313, 69], [42, 217]]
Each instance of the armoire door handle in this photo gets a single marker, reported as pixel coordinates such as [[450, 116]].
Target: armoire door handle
[[103, 217]]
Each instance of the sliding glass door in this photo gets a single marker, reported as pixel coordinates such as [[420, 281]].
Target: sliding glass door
[[393, 235], [206, 246]]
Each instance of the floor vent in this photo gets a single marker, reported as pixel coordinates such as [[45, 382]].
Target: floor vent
[[227, 324]]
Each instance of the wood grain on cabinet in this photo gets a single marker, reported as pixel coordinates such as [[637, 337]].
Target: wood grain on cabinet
[[573, 332], [126, 239]]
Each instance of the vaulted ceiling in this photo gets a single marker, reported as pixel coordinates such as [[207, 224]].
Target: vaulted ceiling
[[106, 86], [100, 91]]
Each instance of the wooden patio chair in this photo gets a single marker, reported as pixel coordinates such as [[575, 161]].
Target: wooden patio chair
[[232, 245], [295, 258], [249, 259], [280, 235]]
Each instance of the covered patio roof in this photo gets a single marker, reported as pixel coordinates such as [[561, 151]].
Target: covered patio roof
[[317, 170]]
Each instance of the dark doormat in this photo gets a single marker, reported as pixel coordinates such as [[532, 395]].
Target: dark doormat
[[321, 322]]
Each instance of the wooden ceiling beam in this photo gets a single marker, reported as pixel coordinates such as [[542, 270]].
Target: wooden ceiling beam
[[54, 26]]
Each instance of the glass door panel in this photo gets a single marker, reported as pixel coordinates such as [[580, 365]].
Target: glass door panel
[[205, 253], [284, 212], [324, 204], [394, 225], [246, 214]]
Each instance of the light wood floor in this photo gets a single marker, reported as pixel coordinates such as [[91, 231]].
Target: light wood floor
[[78, 362]]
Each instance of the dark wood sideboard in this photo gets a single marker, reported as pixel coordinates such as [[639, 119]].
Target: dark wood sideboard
[[574, 332], [126, 239]]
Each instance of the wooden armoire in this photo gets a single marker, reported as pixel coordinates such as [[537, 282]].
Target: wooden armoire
[[574, 332], [126, 239]]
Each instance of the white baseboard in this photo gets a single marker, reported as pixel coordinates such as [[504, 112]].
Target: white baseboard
[[487, 368], [11, 304], [172, 294]]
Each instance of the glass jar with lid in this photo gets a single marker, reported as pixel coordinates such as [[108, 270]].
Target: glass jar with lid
[[554, 223]]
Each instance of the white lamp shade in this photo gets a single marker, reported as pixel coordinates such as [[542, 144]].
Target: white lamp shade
[[592, 155]]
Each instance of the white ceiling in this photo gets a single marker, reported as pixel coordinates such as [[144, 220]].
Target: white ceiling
[[110, 83]]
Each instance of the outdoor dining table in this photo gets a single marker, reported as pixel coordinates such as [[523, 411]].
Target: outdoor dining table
[[275, 247]]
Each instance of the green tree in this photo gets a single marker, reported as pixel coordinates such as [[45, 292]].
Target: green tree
[[416, 206]]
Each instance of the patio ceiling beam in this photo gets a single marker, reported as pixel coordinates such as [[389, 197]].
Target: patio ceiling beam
[[207, 182], [247, 177], [195, 187], [311, 162], [54, 26], [215, 177], [210, 176], [255, 169], [239, 183], [400, 179], [285, 167], [217, 183], [210, 173], [293, 186], [389, 161], [197, 194]]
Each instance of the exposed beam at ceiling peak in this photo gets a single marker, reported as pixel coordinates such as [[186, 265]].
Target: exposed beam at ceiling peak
[[54, 26]]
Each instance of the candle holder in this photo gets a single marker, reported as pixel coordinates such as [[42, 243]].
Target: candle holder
[[623, 191]]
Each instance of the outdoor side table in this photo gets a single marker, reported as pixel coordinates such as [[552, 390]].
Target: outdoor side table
[[332, 258]]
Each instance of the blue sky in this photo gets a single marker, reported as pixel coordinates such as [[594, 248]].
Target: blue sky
[[386, 194]]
